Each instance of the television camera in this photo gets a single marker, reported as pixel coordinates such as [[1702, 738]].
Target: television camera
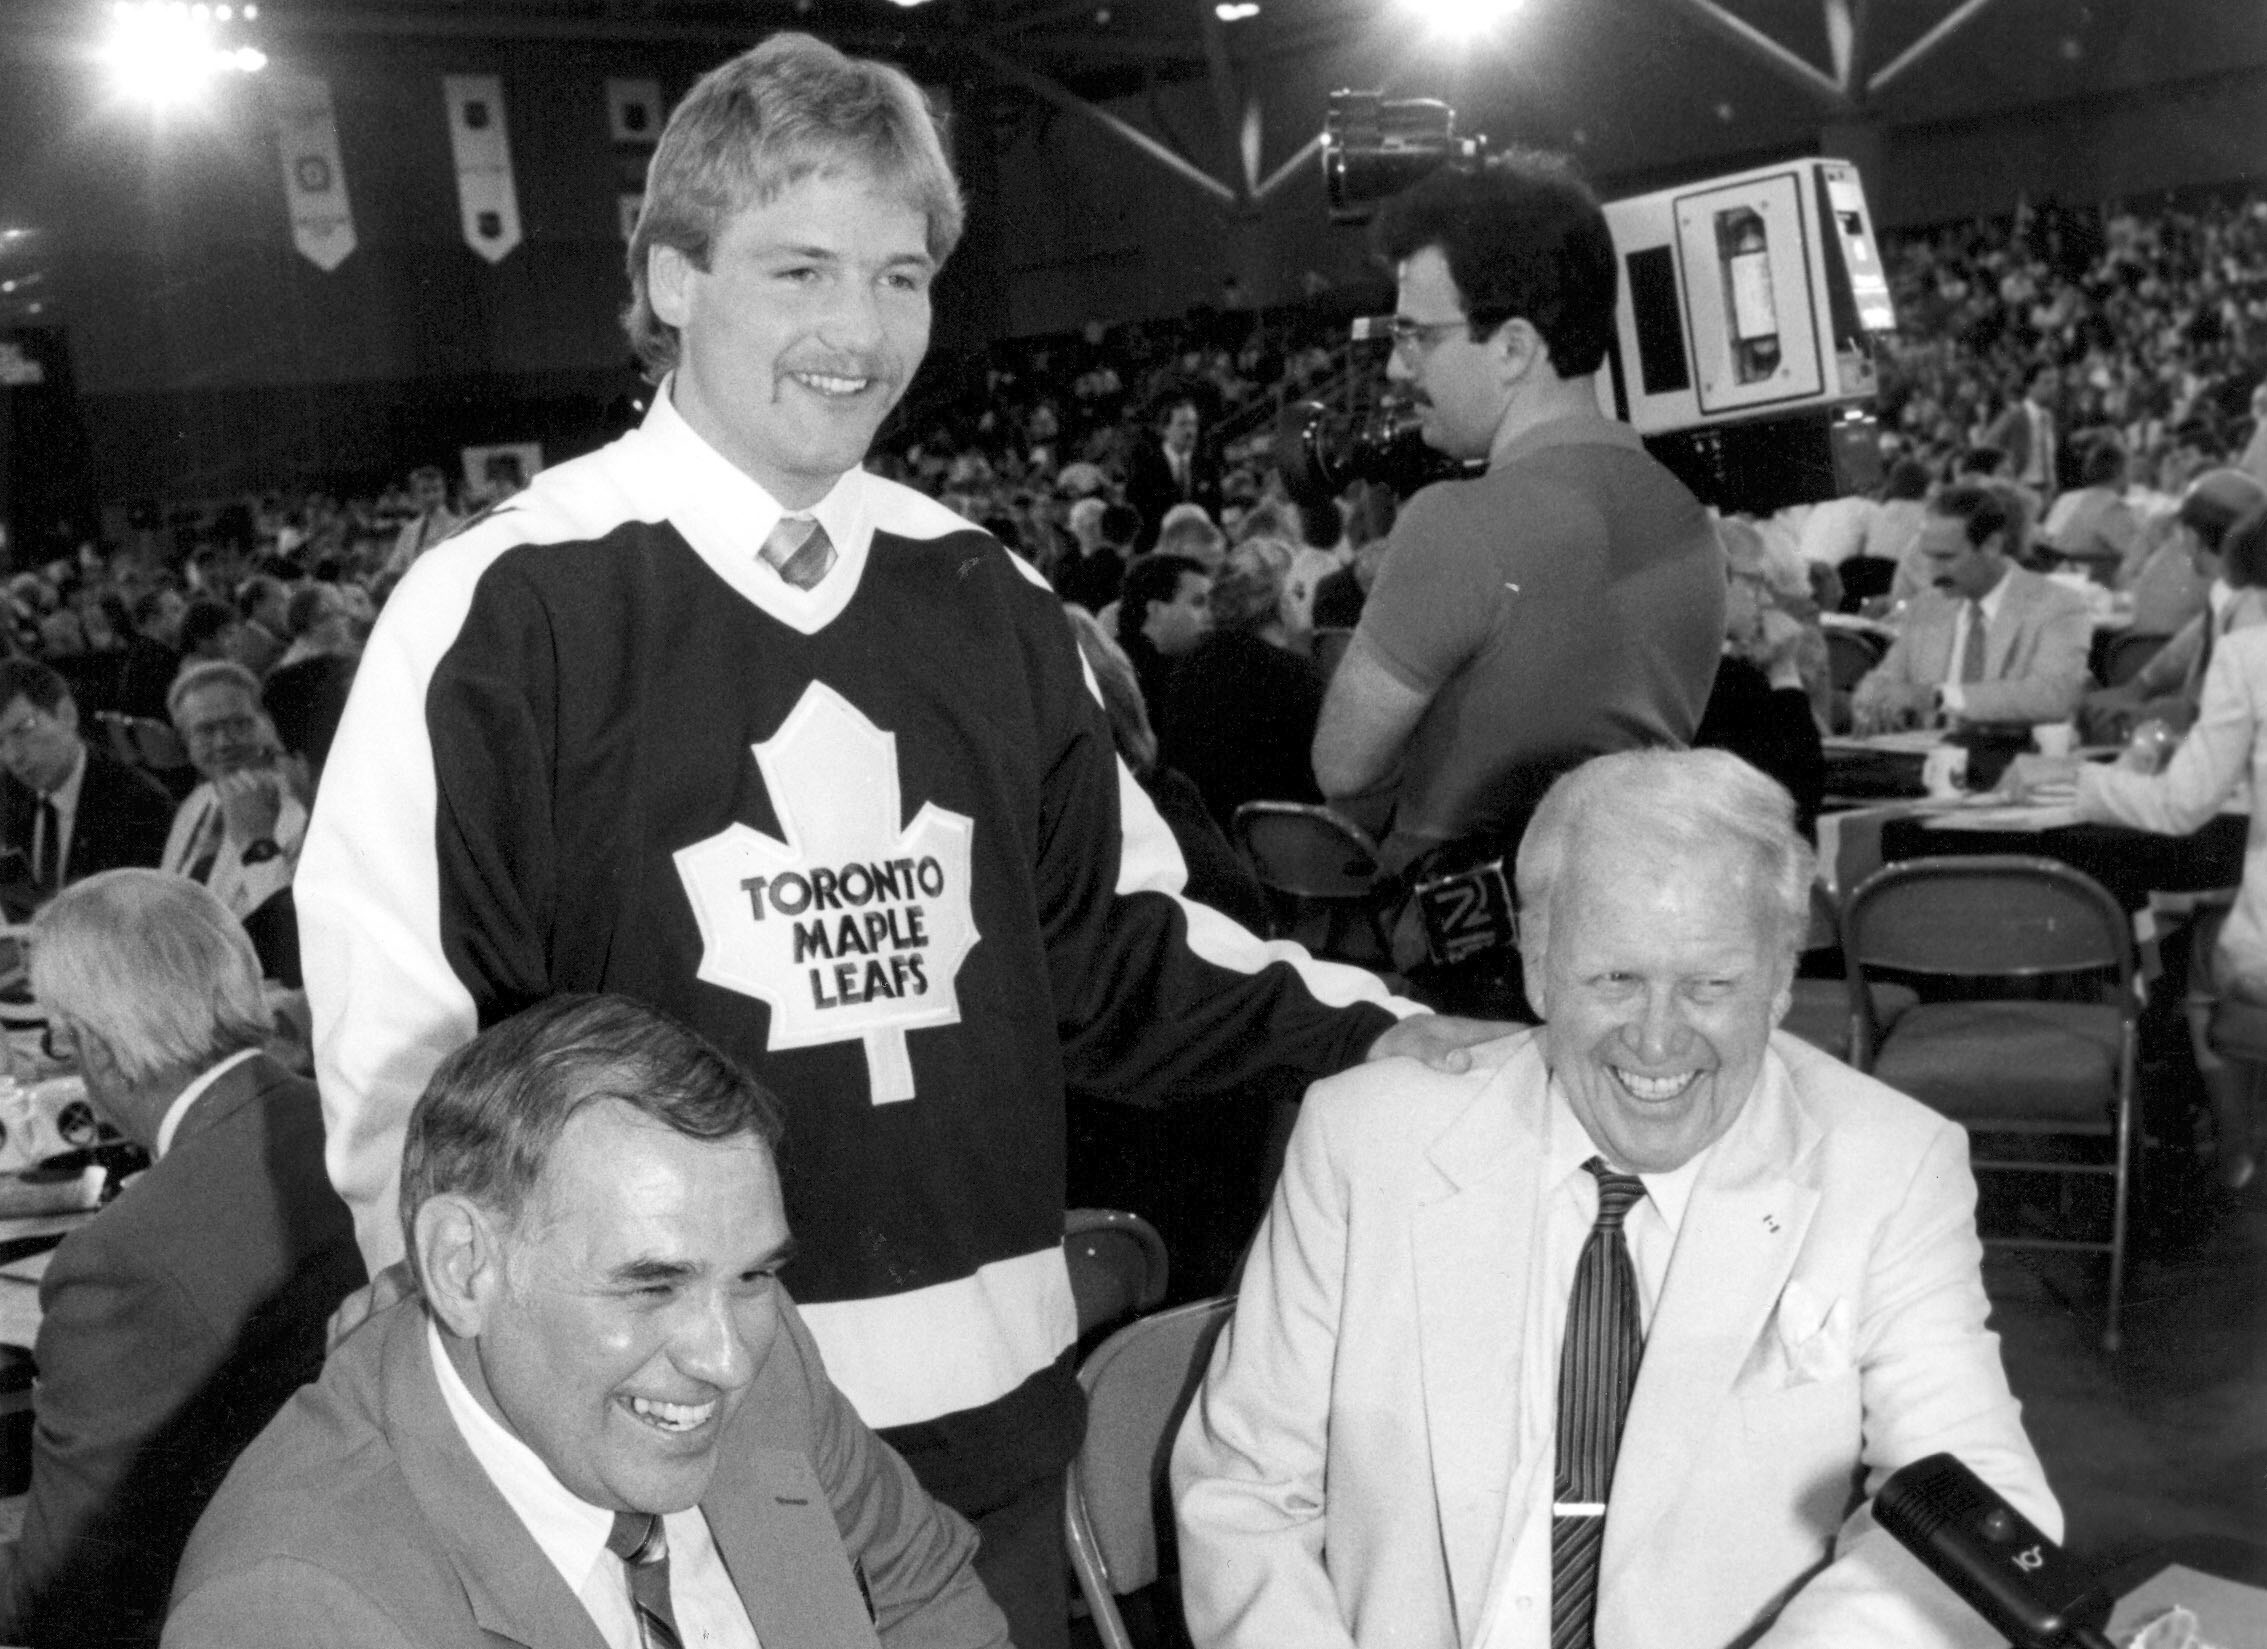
[[1746, 319]]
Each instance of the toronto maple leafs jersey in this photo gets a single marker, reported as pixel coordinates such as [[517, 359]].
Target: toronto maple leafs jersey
[[871, 839]]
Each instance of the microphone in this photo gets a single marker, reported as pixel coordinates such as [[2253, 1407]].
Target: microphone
[[1989, 1553]]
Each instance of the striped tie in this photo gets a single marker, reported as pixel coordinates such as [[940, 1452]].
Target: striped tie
[[1597, 1371], [799, 550], [642, 1545]]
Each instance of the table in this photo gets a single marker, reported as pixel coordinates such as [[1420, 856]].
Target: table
[[2131, 864]]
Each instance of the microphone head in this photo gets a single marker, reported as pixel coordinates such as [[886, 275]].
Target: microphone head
[[1989, 1553]]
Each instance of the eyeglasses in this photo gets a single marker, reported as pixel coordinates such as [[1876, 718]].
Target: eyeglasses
[[1414, 337]]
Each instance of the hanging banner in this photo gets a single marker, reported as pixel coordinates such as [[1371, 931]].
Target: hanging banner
[[314, 181], [633, 111], [487, 201]]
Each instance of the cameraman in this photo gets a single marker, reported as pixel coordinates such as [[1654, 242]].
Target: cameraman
[[1568, 602]]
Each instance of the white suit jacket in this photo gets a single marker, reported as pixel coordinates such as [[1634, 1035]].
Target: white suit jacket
[[2034, 651], [1341, 1479]]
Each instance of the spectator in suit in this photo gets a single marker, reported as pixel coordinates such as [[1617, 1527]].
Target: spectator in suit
[[1106, 534], [209, 630], [1164, 610], [2092, 524], [239, 832], [434, 520], [152, 654], [1172, 466], [1989, 641], [70, 809], [174, 1324], [265, 604], [2169, 687], [600, 1413], [2027, 433], [1241, 707]]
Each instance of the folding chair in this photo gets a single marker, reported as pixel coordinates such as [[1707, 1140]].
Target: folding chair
[[2009, 1067], [1138, 1385], [2124, 656], [1306, 856], [1820, 1010], [1117, 1263]]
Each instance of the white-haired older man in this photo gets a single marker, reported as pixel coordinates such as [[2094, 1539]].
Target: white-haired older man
[[239, 832], [179, 1319], [1613, 1342]]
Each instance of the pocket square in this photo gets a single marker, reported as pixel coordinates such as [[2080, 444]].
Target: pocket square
[[1813, 1333]]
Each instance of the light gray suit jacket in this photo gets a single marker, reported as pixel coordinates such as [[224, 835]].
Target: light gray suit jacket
[[1342, 1477], [361, 1520], [2034, 652]]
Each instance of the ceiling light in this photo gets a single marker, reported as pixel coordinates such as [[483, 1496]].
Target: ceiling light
[[1461, 19], [1230, 11]]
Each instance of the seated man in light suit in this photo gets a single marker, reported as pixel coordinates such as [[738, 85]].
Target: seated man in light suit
[[1435, 1350], [604, 1417], [182, 1317], [2029, 664]]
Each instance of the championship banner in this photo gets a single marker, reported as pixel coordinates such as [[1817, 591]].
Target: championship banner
[[314, 181], [487, 201]]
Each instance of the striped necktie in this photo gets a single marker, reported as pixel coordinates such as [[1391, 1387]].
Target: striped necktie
[[799, 550], [1597, 1371], [642, 1545]]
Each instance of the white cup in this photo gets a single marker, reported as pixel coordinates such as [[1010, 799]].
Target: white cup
[[1943, 770], [2055, 738]]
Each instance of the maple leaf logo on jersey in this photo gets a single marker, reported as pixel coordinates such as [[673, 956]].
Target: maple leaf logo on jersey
[[855, 926]]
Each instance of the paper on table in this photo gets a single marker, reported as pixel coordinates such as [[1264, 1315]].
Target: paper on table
[[2229, 1614], [2010, 816]]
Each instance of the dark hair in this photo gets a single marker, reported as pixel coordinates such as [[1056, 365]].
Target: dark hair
[[204, 620], [1984, 510], [33, 682], [148, 608], [1907, 478], [2104, 463], [1523, 238], [1982, 460], [1149, 578], [2243, 552], [1120, 525], [487, 1122], [1321, 524]]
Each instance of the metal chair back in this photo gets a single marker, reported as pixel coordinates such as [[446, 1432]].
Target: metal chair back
[[1117, 1263], [1117, 1510]]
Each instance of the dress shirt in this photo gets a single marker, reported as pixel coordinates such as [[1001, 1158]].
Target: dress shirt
[[1954, 699], [241, 887], [1518, 1612], [170, 1123], [726, 517], [65, 800], [572, 1533]]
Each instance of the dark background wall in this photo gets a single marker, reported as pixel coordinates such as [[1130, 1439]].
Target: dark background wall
[[210, 357]]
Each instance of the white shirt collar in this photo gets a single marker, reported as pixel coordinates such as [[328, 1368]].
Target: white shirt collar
[[65, 796], [170, 1124], [571, 1531], [1567, 1146], [2220, 595], [726, 516]]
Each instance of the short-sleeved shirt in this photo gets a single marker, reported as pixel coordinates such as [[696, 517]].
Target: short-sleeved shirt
[[1568, 603]]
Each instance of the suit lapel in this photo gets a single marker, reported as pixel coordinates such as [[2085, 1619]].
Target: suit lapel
[[1741, 1232], [512, 1587], [2014, 609], [1472, 1242], [775, 1530]]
